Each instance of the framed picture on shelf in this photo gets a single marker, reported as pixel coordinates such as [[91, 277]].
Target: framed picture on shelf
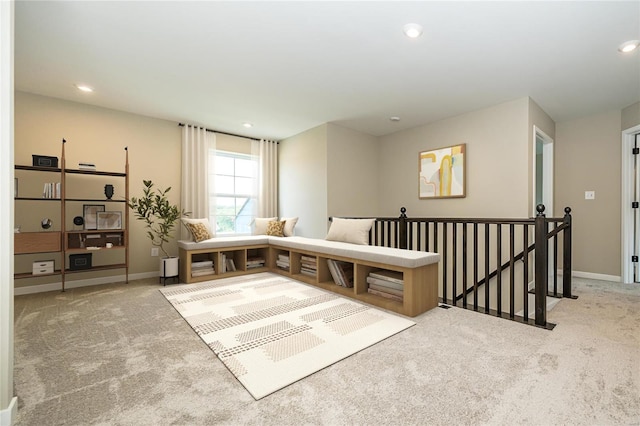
[[90, 215], [109, 220]]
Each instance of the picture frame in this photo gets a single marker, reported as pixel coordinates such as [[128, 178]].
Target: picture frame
[[442, 172], [109, 220], [90, 215]]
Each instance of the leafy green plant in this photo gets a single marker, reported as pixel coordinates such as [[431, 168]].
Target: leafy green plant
[[159, 215]]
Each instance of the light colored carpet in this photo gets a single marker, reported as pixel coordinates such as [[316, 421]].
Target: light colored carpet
[[271, 331], [121, 355]]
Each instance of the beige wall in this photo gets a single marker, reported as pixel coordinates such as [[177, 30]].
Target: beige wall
[[302, 188], [352, 182], [496, 168], [327, 171], [98, 135], [587, 158], [631, 116], [233, 144]]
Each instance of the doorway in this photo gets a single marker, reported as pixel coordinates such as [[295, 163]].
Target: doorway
[[630, 209], [543, 171]]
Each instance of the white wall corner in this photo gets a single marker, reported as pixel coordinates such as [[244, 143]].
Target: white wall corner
[[8, 415]]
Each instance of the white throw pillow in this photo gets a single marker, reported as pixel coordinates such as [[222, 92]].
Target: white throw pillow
[[186, 221], [260, 225], [355, 231], [290, 223]]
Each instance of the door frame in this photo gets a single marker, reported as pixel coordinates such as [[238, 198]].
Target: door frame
[[628, 139], [547, 171]]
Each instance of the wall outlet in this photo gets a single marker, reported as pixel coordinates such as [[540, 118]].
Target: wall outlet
[[154, 251], [589, 195]]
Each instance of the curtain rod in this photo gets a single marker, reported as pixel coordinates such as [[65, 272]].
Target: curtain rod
[[225, 133]]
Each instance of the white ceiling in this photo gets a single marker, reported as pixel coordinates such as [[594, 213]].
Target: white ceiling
[[290, 66]]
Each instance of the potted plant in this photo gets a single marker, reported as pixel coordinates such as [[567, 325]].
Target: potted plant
[[160, 218]]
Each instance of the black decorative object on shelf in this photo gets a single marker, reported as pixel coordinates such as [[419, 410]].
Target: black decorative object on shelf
[[108, 191], [44, 161], [78, 220], [79, 261]]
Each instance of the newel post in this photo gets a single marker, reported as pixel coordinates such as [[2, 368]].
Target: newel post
[[541, 260], [402, 231], [566, 254]]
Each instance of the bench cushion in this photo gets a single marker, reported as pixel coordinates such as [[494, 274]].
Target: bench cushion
[[223, 242], [386, 255]]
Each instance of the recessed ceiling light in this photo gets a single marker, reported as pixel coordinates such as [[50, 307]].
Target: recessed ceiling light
[[247, 125], [413, 30], [84, 88], [394, 118], [629, 46]]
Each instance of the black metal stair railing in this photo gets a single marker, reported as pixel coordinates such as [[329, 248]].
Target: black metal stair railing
[[485, 263]]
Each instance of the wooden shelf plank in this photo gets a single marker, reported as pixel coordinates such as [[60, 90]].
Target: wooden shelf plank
[[38, 168], [85, 250], [96, 268], [35, 199], [95, 200], [94, 172], [30, 275]]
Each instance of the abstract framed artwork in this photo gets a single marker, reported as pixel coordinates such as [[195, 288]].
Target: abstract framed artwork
[[442, 173], [90, 215], [109, 220]]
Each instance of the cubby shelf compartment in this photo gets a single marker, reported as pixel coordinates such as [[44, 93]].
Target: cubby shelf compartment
[[240, 256], [80, 240]]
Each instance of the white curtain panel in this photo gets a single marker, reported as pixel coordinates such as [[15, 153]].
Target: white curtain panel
[[196, 145], [267, 152]]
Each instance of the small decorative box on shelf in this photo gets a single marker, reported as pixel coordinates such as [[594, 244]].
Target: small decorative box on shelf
[[79, 261], [41, 267]]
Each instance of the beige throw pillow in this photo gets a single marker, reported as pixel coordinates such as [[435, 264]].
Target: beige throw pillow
[[204, 222], [355, 231], [199, 231], [260, 225], [289, 225], [275, 228]]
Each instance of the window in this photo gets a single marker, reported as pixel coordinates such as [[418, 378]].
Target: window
[[234, 182]]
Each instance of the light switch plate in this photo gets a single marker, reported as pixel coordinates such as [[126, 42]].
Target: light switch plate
[[589, 195]]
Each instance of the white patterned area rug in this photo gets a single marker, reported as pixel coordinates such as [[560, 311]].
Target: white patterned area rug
[[271, 331]]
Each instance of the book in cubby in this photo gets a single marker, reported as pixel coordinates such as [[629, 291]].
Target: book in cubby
[[255, 262], [283, 261], [308, 266], [341, 272], [202, 267], [387, 284]]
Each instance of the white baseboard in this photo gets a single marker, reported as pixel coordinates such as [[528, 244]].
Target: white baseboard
[[8, 415], [589, 275], [593, 276], [19, 291]]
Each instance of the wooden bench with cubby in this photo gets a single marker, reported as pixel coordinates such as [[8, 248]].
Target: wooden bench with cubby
[[260, 253]]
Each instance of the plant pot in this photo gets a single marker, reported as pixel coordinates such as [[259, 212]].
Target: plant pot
[[169, 267]]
